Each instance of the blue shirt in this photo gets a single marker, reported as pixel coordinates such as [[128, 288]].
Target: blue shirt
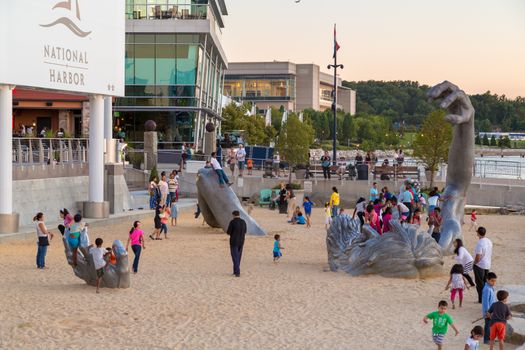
[[276, 247], [301, 220], [374, 194], [308, 207], [488, 297], [406, 197]]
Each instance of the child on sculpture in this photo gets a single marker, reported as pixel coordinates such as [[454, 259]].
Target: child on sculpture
[[99, 254], [223, 179], [73, 237], [440, 322]]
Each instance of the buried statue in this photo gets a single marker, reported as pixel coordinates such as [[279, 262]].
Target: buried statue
[[115, 275], [217, 203], [406, 251]]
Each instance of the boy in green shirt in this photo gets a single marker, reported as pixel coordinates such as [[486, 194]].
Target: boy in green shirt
[[440, 321]]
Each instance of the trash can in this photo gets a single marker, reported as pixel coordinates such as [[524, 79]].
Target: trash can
[[362, 172]]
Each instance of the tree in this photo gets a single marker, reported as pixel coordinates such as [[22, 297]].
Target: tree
[[236, 118], [294, 141], [154, 174], [493, 141], [486, 140], [433, 141], [504, 142], [477, 141]]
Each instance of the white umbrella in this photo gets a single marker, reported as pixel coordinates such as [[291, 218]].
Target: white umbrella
[[301, 117], [285, 118], [254, 110], [268, 118]]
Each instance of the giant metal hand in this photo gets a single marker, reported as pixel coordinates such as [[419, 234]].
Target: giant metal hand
[[217, 204], [115, 276], [403, 252], [460, 159]]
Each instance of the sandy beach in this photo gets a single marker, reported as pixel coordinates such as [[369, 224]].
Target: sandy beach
[[184, 296]]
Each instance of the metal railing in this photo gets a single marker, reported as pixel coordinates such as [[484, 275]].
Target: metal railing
[[497, 169], [49, 150]]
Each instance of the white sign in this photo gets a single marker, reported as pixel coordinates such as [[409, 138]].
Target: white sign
[[66, 45], [308, 186]]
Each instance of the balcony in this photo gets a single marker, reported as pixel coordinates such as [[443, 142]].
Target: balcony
[[167, 10]]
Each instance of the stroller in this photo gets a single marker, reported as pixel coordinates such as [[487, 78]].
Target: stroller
[[352, 173]]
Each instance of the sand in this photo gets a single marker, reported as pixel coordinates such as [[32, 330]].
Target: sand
[[184, 296]]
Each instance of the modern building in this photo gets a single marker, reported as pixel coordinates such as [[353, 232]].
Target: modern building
[[294, 86], [175, 68]]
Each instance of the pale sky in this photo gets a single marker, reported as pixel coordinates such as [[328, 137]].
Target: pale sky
[[477, 44]]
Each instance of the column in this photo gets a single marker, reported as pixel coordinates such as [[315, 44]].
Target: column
[[96, 207], [8, 220], [108, 130]]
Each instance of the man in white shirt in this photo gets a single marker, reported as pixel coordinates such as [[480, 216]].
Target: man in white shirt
[[482, 260], [241, 159], [218, 169]]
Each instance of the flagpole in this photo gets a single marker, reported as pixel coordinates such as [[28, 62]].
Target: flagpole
[[334, 105]]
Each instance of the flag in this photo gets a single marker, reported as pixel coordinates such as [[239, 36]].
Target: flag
[[268, 118], [336, 45]]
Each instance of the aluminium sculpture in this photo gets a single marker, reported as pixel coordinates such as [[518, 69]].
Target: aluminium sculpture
[[217, 204], [406, 251]]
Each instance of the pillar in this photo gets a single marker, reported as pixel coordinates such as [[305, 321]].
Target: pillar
[[8, 220], [108, 130], [96, 208]]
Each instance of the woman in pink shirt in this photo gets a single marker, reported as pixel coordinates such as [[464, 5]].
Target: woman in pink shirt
[[373, 218], [136, 237]]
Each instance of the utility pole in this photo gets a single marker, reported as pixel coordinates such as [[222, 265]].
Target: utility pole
[[334, 95]]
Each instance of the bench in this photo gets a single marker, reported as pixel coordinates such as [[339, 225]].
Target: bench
[[317, 169], [396, 171]]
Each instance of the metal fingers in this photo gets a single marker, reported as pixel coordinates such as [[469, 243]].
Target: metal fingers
[[441, 90]]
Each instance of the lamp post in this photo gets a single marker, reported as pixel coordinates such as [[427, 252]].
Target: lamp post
[[334, 106]]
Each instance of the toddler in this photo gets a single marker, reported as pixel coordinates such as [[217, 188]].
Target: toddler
[[277, 248], [457, 283], [473, 220], [472, 342], [328, 215]]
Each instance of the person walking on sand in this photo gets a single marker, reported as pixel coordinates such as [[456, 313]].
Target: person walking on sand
[[440, 322], [456, 283], [237, 232], [43, 236], [164, 189], [277, 248], [290, 197], [223, 179], [307, 205], [473, 220], [464, 258], [482, 260], [136, 238]]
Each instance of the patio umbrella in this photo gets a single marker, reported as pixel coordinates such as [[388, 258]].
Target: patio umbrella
[[268, 117], [285, 118]]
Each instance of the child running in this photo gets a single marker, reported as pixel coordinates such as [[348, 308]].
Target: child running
[[328, 215], [472, 342], [440, 322], [473, 220], [457, 283], [499, 313], [307, 205], [277, 248]]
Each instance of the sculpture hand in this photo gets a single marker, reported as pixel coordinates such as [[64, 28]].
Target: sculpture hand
[[455, 101]]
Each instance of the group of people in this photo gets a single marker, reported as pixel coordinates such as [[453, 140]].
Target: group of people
[[163, 198]]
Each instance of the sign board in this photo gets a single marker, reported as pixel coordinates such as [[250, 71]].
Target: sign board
[[240, 182], [307, 186], [65, 45]]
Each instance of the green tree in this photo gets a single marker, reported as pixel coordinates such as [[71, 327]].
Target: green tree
[[236, 118], [504, 142], [294, 141], [493, 141], [477, 141], [433, 141], [154, 174], [486, 140], [348, 131]]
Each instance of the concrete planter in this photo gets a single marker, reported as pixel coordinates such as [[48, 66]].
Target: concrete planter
[[300, 173]]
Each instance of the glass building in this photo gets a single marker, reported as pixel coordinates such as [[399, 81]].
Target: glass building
[[175, 68]]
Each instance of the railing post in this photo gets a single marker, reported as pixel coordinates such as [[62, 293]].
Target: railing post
[[41, 155], [19, 147], [30, 147], [69, 151], [50, 153], [61, 151]]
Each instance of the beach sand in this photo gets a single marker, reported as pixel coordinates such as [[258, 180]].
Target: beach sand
[[184, 296]]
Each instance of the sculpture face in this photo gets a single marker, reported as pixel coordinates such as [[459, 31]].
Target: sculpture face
[[404, 252]]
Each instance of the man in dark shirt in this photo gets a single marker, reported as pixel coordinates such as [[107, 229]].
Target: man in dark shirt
[[236, 231]]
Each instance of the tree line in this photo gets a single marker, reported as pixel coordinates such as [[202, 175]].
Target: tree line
[[405, 104]]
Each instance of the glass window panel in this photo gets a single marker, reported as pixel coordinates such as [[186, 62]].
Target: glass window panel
[[186, 64], [145, 38], [144, 64], [165, 65], [166, 38], [130, 64]]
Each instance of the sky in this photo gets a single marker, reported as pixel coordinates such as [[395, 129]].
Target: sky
[[476, 44]]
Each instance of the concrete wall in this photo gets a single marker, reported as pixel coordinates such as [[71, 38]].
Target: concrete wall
[[498, 195], [43, 171]]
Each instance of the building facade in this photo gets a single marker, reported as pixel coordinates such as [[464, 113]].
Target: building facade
[[293, 86], [175, 68]]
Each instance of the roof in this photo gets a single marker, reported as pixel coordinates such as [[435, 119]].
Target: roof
[[36, 95]]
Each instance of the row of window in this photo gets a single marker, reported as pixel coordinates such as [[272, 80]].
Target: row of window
[[260, 88]]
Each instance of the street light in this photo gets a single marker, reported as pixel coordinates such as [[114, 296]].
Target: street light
[[334, 105]]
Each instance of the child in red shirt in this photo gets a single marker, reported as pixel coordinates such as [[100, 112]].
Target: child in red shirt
[[473, 220]]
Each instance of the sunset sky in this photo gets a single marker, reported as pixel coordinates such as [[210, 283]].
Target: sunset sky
[[477, 44]]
